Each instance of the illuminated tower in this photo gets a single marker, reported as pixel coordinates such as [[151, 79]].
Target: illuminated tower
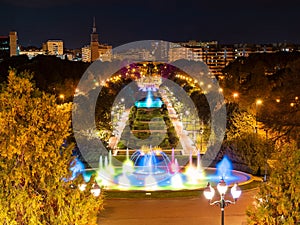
[[94, 43], [13, 47]]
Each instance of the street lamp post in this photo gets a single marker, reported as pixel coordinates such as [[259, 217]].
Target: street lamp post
[[201, 133], [257, 103], [62, 98], [235, 95], [222, 187]]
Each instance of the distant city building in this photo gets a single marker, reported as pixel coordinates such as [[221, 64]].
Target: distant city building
[[13, 45], [105, 52], [86, 53], [138, 54], [96, 51], [218, 56], [94, 43], [73, 54], [177, 52], [160, 50], [31, 53], [9, 45], [54, 47], [4, 47]]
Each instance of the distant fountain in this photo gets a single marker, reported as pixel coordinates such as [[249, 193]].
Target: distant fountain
[[149, 102]]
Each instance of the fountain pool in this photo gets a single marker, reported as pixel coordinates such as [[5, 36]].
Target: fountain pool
[[154, 170]]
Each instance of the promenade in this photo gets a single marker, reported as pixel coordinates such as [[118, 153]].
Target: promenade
[[177, 211]]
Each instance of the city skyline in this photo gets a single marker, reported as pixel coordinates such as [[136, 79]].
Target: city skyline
[[121, 22]]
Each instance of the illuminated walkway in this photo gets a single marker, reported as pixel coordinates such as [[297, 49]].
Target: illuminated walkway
[[113, 141], [185, 141], [178, 211]]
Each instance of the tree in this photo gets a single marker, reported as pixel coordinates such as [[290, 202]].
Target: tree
[[273, 78], [34, 165], [278, 200], [245, 145]]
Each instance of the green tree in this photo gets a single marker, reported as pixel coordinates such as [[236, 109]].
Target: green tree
[[248, 147], [273, 78], [278, 200], [33, 162]]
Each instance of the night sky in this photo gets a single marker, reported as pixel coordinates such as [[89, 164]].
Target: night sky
[[120, 21]]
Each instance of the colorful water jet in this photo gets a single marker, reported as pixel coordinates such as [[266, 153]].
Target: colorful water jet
[[152, 170], [149, 102]]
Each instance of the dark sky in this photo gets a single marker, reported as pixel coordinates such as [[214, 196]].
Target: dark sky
[[120, 21]]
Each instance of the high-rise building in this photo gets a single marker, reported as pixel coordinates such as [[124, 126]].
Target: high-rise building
[[105, 52], [13, 46], [96, 51], [86, 53], [185, 51], [160, 50], [54, 47], [9, 45], [94, 43], [4, 47]]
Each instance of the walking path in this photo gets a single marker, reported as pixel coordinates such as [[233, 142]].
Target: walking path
[[113, 141], [177, 211], [185, 141]]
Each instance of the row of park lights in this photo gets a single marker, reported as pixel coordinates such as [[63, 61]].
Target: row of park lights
[[235, 95], [222, 188]]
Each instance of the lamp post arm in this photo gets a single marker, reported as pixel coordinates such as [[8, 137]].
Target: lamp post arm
[[218, 203], [228, 202]]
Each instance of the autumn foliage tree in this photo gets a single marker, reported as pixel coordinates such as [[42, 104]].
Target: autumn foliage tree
[[278, 200], [33, 162]]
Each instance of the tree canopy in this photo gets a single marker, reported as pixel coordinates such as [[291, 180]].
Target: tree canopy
[[278, 199], [34, 165], [272, 78]]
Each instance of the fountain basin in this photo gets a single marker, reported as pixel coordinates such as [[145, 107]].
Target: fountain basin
[[165, 182]]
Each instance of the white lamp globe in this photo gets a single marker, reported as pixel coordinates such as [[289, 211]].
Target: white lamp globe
[[236, 191], [222, 187], [209, 192]]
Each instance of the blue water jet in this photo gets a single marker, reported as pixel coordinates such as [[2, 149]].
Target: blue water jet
[[149, 102], [224, 168]]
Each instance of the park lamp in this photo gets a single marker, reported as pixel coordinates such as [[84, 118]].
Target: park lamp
[[209, 192], [236, 191], [96, 190], [222, 188]]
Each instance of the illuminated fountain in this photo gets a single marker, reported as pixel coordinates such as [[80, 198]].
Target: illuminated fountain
[[194, 173], [224, 171], [127, 169], [151, 170], [149, 102], [106, 171]]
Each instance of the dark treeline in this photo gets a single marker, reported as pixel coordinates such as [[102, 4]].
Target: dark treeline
[[50, 73]]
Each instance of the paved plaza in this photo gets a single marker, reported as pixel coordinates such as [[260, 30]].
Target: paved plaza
[[177, 211]]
